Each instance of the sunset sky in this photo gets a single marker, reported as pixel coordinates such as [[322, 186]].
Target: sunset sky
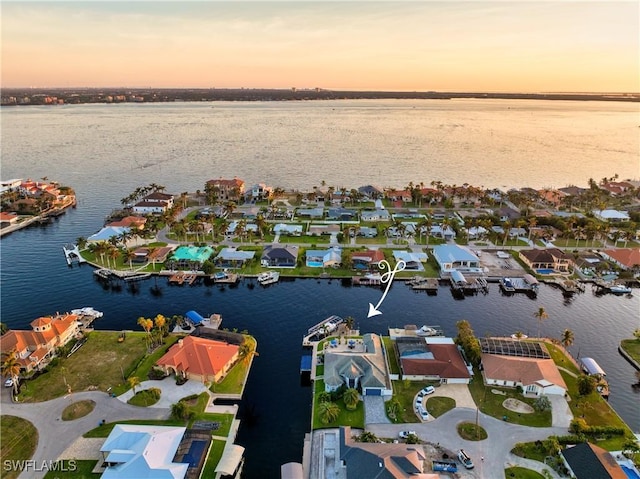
[[509, 46]]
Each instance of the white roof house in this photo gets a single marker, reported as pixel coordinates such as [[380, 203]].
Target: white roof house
[[613, 216], [286, 228], [108, 232], [450, 257], [143, 451]]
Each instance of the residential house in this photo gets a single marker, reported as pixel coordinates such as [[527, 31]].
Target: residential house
[[507, 214], [143, 451], [155, 202], [588, 461], [374, 460], [200, 359], [412, 260], [7, 219], [547, 259], [35, 348], [626, 258], [399, 195], [367, 260], [310, 213], [446, 233], [275, 256], [108, 232], [476, 232], [131, 222], [258, 192], [341, 214], [612, 216], [364, 368], [232, 258], [226, 190], [367, 232], [431, 358], [371, 192], [331, 257], [513, 363], [287, 229], [10, 185], [455, 257], [318, 230], [375, 215]]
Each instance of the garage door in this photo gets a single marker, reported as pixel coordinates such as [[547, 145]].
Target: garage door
[[373, 392]]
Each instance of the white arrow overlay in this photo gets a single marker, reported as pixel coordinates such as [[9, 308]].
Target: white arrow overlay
[[385, 278]]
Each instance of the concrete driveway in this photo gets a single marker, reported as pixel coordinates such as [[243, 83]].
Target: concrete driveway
[[170, 394]]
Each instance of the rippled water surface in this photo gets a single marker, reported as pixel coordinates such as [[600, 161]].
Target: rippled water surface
[[105, 151]]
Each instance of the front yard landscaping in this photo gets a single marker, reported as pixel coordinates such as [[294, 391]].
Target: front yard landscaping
[[78, 409], [353, 418], [19, 441], [437, 406], [471, 432], [404, 392]]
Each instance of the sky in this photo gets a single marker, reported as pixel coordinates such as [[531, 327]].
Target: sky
[[500, 46]]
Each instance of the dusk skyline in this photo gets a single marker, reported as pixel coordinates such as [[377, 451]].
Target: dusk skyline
[[540, 46]]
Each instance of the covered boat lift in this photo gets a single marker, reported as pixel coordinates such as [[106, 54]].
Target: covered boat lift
[[590, 366]]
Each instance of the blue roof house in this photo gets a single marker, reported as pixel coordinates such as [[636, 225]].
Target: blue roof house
[[454, 257]]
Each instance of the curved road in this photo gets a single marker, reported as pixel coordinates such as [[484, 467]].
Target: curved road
[[55, 435]]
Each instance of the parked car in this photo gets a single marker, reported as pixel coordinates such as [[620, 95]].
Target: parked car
[[429, 390], [423, 413], [8, 383], [406, 434], [465, 459]]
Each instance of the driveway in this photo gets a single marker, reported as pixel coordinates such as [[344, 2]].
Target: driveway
[[561, 414], [170, 394]]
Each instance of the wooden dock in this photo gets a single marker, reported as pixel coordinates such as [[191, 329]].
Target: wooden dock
[[425, 284], [182, 277]]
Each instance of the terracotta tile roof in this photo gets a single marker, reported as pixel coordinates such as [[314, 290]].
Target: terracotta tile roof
[[229, 183], [373, 256], [446, 363], [4, 216], [629, 257], [130, 221], [521, 370], [199, 356]]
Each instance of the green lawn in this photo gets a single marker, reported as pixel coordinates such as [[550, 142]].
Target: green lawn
[[521, 473], [215, 454], [632, 348], [353, 418], [78, 409], [73, 469], [144, 398], [99, 364], [394, 367], [437, 406], [235, 379], [405, 392], [471, 432], [19, 441], [491, 404]]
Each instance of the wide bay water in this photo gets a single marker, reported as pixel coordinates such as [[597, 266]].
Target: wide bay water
[[105, 151]]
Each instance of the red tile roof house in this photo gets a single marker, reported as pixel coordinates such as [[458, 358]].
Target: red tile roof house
[[626, 258], [367, 260], [37, 347], [8, 218], [227, 189], [431, 359], [201, 359]]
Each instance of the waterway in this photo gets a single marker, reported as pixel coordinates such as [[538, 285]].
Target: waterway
[[104, 152]]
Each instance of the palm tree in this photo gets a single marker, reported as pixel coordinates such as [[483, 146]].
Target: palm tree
[[129, 256], [540, 315], [567, 338], [349, 322], [133, 382], [147, 325], [11, 368], [246, 352], [328, 411], [351, 398]]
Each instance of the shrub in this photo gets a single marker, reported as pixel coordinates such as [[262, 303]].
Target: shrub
[[542, 404]]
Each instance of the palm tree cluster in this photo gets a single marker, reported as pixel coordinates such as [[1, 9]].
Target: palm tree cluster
[[156, 329], [11, 368], [141, 192]]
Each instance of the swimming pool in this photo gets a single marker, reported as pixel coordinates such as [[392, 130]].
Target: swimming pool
[[631, 474], [545, 271], [314, 264]]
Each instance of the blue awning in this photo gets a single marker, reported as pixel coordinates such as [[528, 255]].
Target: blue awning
[[194, 317], [305, 363]]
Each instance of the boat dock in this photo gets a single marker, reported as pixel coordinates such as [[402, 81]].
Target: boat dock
[[321, 330], [424, 284], [526, 284], [72, 253], [183, 277], [87, 316], [460, 284], [224, 277], [366, 280]]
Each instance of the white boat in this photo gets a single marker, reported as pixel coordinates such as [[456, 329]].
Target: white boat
[[619, 289], [268, 277], [427, 331], [87, 311]]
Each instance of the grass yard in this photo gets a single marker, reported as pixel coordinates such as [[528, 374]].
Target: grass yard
[[405, 392], [215, 454], [145, 398], [394, 367], [233, 382], [632, 348], [521, 473], [96, 365], [353, 418], [19, 441], [74, 469], [471, 432], [437, 406], [78, 409]]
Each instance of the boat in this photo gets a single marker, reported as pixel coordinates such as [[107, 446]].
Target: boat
[[619, 289], [427, 331], [87, 311], [268, 277]]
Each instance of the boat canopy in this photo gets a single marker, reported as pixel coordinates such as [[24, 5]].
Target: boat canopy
[[530, 279], [592, 367], [457, 276], [194, 317]]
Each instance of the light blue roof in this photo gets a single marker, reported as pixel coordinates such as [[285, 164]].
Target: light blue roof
[[447, 253], [108, 232], [232, 254]]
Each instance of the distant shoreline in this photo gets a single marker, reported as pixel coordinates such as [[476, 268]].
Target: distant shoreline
[[57, 96]]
